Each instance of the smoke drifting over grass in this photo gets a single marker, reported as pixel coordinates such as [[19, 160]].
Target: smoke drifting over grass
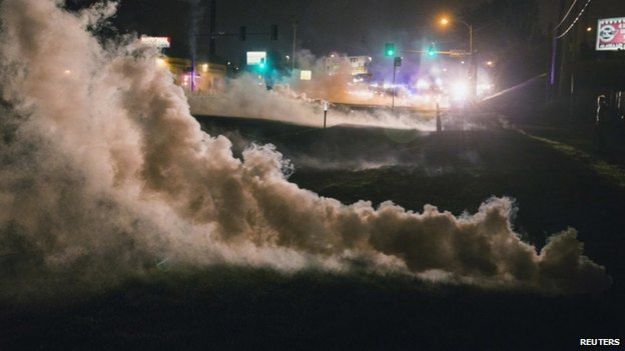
[[105, 172], [300, 102], [245, 97]]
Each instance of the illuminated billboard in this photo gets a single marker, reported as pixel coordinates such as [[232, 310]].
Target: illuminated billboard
[[305, 75], [611, 34], [256, 57], [157, 42]]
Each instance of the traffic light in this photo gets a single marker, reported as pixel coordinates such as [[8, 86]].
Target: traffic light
[[243, 33], [397, 61], [262, 65], [389, 50], [432, 50], [274, 32]]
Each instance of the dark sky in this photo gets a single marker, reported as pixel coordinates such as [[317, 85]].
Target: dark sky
[[347, 26], [354, 27]]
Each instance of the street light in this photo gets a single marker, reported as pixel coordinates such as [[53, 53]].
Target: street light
[[445, 21]]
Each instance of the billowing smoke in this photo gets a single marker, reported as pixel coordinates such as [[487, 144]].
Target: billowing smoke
[[330, 80], [300, 102], [244, 97], [104, 172]]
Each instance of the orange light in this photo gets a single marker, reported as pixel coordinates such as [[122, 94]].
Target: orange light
[[444, 21], [589, 29]]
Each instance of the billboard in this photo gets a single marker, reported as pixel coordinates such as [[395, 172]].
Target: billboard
[[157, 42], [305, 75], [611, 34], [256, 57]]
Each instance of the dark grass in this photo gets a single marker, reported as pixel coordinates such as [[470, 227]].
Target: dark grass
[[240, 308], [219, 308]]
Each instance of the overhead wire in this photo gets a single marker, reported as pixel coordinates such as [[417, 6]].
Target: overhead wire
[[579, 15], [566, 15]]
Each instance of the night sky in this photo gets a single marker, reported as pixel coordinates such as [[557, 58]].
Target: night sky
[[354, 27]]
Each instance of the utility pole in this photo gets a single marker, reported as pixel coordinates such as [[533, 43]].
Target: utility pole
[[439, 123], [294, 44], [474, 65], [554, 66], [212, 25], [193, 74]]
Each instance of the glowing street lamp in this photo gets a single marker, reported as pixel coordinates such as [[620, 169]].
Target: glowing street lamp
[[446, 21]]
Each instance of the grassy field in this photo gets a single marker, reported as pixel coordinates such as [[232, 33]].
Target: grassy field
[[243, 308]]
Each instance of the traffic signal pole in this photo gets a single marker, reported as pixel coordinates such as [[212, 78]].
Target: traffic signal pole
[[396, 63], [394, 86]]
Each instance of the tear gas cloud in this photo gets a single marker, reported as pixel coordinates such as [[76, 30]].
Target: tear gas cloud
[[299, 102], [245, 97], [104, 173]]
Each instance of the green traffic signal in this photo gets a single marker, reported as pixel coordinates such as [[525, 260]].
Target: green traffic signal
[[432, 50], [389, 49]]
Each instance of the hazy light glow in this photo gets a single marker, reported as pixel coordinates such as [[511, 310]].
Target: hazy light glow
[[459, 91], [423, 84], [160, 62]]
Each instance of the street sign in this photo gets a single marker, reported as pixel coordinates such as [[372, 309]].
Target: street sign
[[611, 34], [256, 57]]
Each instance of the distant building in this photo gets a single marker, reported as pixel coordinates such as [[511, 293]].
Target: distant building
[[357, 66], [207, 77]]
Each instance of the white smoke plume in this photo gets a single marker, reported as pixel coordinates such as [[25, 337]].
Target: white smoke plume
[[245, 97], [300, 102], [104, 172]]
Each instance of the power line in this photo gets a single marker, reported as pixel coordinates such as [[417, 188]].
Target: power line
[[565, 16], [575, 21]]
